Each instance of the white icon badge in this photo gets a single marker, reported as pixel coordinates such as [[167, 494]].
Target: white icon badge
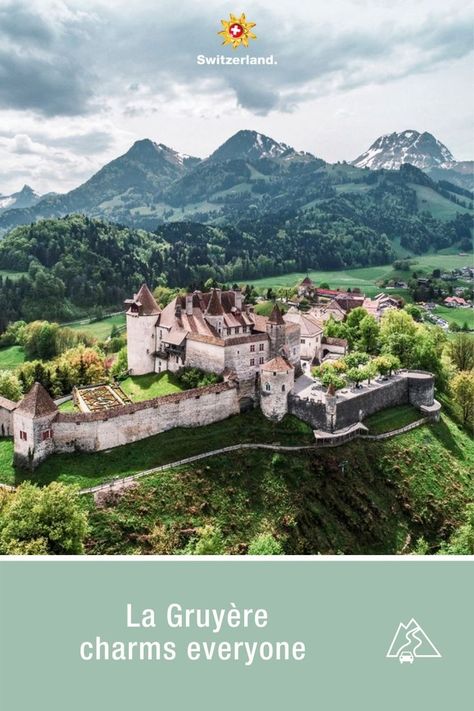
[[411, 642]]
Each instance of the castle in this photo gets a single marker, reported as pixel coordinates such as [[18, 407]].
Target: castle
[[212, 331], [259, 359]]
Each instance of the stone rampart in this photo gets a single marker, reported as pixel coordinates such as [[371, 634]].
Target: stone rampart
[[191, 408]]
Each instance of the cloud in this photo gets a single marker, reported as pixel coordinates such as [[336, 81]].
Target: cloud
[[42, 65]]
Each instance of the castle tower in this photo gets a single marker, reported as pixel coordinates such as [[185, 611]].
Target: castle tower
[[142, 315], [276, 332], [33, 428], [214, 313], [277, 378]]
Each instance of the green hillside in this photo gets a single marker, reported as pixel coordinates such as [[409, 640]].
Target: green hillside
[[365, 279], [363, 498]]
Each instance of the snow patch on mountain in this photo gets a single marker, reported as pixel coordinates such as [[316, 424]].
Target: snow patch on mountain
[[392, 150]]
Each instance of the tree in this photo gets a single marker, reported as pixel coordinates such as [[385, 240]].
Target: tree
[[50, 520], [39, 340], [461, 351], [10, 387], [462, 387], [120, 367], [369, 332], [398, 332], [414, 311], [356, 358], [330, 373], [357, 375], [353, 324], [335, 329], [265, 544]]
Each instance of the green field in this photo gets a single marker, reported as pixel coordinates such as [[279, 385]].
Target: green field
[[365, 277], [98, 329], [146, 387], [11, 358], [91, 469], [440, 207], [459, 316], [392, 419]]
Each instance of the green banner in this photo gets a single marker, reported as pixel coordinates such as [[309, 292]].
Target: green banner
[[216, 635]]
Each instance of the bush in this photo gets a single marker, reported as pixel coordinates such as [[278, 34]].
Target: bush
[[265, 544], [47, 521], [190, 378]]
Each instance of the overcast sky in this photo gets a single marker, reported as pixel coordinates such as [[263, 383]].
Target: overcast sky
[[81, 81]]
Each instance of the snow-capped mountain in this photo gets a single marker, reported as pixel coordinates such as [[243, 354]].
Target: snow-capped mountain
[[422, 150], [251, 145], [26, 197]]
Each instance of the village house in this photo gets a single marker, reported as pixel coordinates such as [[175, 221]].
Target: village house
[[456, 302]]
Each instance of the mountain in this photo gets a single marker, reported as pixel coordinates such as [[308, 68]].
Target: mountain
[[423, 151], [26, 197], [249, 177], [392, 150], [134, 179], [251, 146], [411, 637]]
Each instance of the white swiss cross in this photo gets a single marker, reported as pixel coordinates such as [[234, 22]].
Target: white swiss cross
[[236, 30]]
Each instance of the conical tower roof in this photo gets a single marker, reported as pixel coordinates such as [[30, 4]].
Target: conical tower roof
[[275, 316], [37, 402], [148, 305], [214, 307]]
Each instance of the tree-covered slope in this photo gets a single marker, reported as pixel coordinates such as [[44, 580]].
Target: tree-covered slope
[[402, 495]]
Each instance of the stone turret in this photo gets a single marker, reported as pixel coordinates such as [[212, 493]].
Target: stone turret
[[142, 316], [277, 378], [276, 332], [33, 428]]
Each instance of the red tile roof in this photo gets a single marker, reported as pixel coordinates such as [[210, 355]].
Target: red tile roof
[[279, 364]]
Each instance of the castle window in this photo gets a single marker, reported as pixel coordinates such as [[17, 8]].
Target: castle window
[[261, 360], [303, 341], [261, 347], [23, 436], [267, 387], [252, 361], [283, 388], [237, 330], [47, 434], [252, 348]]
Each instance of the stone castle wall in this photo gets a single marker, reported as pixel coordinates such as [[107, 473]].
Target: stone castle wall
[[368, 401], [407, 387], [313, 413], [99, 431]]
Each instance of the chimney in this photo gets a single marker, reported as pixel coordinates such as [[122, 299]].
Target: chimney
[[219, 295], [189, 304], [177, 311], [238, 299]]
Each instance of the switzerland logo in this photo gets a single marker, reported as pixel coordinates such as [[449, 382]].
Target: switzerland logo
[[237, 31]]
